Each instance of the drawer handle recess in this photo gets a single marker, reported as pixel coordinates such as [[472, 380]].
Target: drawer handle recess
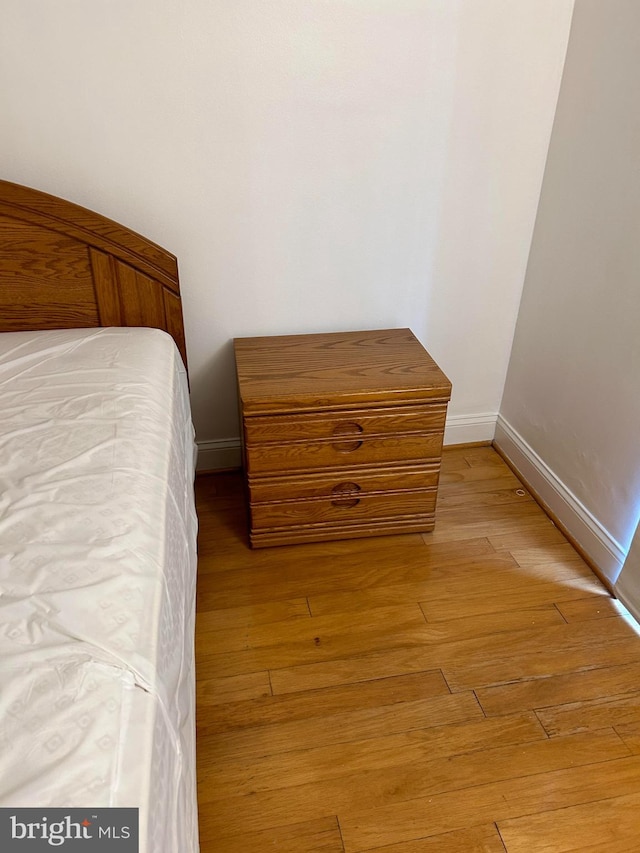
[[348, 432], [347, 495]]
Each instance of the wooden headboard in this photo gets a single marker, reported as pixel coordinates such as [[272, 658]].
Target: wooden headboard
[[62, 266]]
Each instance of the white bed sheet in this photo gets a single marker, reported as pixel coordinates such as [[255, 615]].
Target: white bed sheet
[[97, 578]]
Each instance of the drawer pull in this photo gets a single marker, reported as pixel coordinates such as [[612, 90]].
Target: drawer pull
[[347, 431], [345, 488], [347, 492], [345, 503]]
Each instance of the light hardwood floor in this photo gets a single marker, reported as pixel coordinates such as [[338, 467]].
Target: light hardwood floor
[[472, 689]]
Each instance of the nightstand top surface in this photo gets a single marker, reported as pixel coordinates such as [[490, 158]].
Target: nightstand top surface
[[336, 370]]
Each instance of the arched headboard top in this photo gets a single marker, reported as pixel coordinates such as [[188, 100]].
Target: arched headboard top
[[63, 266]]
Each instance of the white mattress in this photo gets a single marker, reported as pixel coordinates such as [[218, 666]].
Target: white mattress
[[97, 578]]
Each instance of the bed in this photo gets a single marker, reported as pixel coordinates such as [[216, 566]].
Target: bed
[[97, 522]]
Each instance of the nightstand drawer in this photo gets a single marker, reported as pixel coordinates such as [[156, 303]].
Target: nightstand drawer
[[343, 508], [327, 485], [297, 456], [352, 425]]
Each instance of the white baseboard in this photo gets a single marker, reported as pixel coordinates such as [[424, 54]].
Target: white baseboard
[[604, 551], [219, 455], [468, 429]]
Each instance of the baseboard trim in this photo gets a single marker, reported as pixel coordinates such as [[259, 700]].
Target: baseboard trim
[[470, 429], [603, 552], [220, 455]]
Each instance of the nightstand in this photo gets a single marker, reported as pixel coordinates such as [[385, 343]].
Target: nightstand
[[342, 434]]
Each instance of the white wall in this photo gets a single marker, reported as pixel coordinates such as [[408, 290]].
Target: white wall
[[572, 396], [316, 165]]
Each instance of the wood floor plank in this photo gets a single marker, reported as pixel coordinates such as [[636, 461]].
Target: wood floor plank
[[482, 456], [343, 635], [457, 597], [516, 593], [333, 700], [594, 607], [453, 460], [630, 734], [483, 624], [314, 836], [446, 592], [234, 618], [516, 513], [427, 579], [591, 715], [222, 520], [344, 727], [477, 839], [473, 664], [240, 557], [461, 523], [318, 631], [467, 479], [405, 785], [224, 547], [353, 670], [581, 686], [560, 562], [479, 662], [227, 777], [526, 536], [609, 824], [259, 579], [557, 552], [485, 497], [309, 641], [621, 845], [235, 688], [356, 789], [395, 823]]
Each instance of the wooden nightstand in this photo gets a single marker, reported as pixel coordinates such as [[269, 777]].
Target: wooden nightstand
[[342, 434]]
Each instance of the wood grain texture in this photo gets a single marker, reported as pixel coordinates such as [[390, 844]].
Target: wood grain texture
[[478, 839], [417, 694], [552, 691], [313, 836], [39, 208], [291, 487], [340, 427], [225, 776], [549, 789], [45, 277], [141, 299], [599, 607], [62, 266], [337, 370], [106, 287], [232, 688], [343, 456], [346, 506], [611, 826]]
